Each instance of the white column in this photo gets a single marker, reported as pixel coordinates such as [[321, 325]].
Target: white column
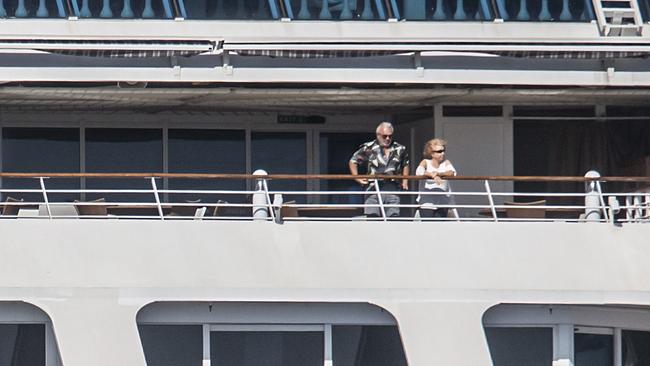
[[563, 349], [206, 345]]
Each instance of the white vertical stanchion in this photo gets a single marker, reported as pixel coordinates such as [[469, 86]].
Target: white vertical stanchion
[[491, 200], [260, 197], [380, 200], [157, 197], [592, 198], [45, 200]]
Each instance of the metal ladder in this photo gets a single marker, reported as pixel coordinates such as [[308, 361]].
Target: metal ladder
[[618, 17]]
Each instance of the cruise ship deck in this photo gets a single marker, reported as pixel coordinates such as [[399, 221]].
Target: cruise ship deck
[[174, 184]]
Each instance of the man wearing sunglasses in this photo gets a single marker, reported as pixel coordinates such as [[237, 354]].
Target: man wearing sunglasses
[[382, 156]]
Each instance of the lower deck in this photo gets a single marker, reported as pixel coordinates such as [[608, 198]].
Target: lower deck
[[99, 281]]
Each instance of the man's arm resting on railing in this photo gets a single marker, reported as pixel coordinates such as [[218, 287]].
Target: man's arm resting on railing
[[405, 182], [354, 170]]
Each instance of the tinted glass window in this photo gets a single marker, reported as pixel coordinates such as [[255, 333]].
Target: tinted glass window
[[336, 149], [472, 111], [172, 345], [22, 344], [593, 349], [281, 153], [266, 348], [207, 151], [357, 345], [636, 348], [41, 150], [123, 150], [520, 346]]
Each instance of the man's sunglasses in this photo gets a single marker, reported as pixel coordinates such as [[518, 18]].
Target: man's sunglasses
[[385, 136]]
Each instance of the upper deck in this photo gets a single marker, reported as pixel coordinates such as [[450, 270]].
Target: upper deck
[[547, 43]]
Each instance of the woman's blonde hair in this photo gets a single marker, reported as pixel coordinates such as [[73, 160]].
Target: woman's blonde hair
[[427, 152]]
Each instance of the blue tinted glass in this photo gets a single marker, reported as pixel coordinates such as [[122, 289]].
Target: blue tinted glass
[[172, 345], [520, 346], [336, 149], [281, 153], [41, 150], [367, 345], [22, 344], [123, 150], [593, 349], [207, 151], [266, 348]]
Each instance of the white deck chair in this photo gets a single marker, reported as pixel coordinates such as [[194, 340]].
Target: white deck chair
[[199, 213], [62, 211]]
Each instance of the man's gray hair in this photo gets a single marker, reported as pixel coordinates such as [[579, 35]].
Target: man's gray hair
[[384, 125]]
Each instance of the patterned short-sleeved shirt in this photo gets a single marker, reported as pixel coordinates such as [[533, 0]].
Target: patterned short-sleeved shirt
[[371, 154]]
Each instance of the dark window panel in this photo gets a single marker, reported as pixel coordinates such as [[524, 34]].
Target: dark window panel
[[636, 347], [172, 345], [22, 344], [471, 111], [123, 150], [554, 111], [207, 151], [367, 345], [274, 348], [335, 152], [281, 153], [41, 150], [520, 346], [593, 349]]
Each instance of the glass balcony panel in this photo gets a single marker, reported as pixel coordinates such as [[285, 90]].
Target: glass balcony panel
[[233, 9], [338, 9], [445, 9], [546, 10]]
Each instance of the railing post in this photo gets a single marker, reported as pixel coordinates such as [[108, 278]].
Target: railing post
[[602, 202], [260, 198], [268, 199], [47, 202], [592, 198], [380, 200], [157, 197], [491, 200]]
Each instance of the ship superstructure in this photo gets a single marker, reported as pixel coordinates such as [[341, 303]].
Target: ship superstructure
[[137, 227]]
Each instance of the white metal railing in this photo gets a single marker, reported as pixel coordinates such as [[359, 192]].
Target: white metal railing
[[264, 203]]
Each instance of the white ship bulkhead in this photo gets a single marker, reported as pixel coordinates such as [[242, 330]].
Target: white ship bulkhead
[[290, 96]]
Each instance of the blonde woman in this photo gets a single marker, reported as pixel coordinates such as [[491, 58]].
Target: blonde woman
[[435, 166]]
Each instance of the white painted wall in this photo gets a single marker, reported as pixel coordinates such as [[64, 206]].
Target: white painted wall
[[437, 279], [478, 146]]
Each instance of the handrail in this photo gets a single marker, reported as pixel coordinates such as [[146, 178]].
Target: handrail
[[325, 177], [475, 204]]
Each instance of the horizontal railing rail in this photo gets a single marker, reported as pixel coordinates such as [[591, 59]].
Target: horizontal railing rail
[[330, 197], [536, 178]]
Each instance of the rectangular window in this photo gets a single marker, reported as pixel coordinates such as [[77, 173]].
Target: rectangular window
[[593, 346], [514, 346], [123, 150], [172, 345], [554, 111], [636, 347], [207, 151], [268, 348], [472, 111], [281, 153], [367, 345], [22, 344], [336, 149], [41, 150]]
